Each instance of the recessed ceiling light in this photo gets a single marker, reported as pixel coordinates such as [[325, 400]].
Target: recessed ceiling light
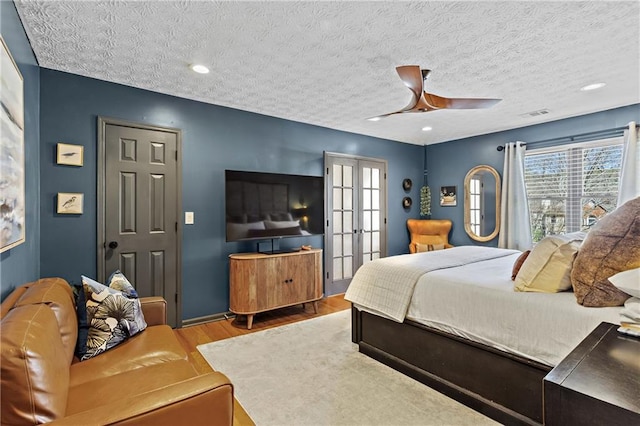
[[593, 86], [374, 119], [427, 129], [200, 69]]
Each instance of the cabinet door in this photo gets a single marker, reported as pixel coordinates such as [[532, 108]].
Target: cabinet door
[[290, 279], [245, 295]]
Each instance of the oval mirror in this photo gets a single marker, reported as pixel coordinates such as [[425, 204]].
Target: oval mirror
[[482, 203]]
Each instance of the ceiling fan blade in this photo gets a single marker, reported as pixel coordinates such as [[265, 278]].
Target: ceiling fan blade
[[420, 106], [412, 78], [439, 102]]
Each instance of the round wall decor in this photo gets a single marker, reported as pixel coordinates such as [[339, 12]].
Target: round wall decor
[[406, 202], [406, 184]]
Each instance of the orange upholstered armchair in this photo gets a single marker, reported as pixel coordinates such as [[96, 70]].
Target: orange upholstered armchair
[[428, 232]]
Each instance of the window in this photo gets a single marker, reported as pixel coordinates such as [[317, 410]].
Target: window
[[475, 205], [571, 187]]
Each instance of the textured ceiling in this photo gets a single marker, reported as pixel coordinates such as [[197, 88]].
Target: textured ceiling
[[332, 64]]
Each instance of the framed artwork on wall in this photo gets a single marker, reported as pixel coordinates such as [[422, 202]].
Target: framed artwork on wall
[[448, 196], [70, 202], [12, 186], [70, 155]]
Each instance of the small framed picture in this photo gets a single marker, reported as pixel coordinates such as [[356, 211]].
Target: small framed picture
[[70, 202], [448, 196], [70, 155]]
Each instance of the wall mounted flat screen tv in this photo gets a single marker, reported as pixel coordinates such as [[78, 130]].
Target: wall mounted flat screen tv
[[271, 205]]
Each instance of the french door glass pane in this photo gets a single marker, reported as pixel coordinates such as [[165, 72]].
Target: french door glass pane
[[347, 197], [375, 199], [348, 245], [337, 198], [375, 255], [366, 221], [375, 178], [337, 222], [366, 243], [348, 222], [337, 268], [366, 177], [366, 199], [347, 176], [375, 221], [375, 241], [337, 245], [337, 175], [348, 267]]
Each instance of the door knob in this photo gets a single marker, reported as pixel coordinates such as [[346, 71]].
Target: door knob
[[113, 245]]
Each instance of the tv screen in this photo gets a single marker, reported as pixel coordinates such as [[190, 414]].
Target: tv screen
[[271, 205]]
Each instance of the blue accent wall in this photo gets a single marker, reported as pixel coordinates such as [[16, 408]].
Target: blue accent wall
[[214, 139], [449, 162], [22, 263]]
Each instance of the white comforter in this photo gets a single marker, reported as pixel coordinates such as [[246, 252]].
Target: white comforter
[[476, 300], [386, 285]]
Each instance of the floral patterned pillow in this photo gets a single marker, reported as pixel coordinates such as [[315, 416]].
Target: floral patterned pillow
[[106, 316], [118, 281]]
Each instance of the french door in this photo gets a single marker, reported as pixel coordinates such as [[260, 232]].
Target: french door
[[356, 212]]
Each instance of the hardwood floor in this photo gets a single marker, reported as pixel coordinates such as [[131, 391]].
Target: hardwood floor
[[192, 336]]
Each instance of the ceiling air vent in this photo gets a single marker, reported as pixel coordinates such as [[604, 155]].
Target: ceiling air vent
[[535, 113]]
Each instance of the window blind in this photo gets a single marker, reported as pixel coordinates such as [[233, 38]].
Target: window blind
[[571, 187]]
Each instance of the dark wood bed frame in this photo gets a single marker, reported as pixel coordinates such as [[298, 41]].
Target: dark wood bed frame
[[505, 387]]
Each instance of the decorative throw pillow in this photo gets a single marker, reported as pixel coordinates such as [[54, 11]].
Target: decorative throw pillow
[[108, 316], [547, 269], [420, 248], [428, 247], [118, 281], [612, 246], [519, 261]]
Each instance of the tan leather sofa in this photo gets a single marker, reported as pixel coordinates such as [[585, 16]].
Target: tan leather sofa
[[148, 379]]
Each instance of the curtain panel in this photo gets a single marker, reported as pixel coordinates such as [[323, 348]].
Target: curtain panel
[[515, 223]]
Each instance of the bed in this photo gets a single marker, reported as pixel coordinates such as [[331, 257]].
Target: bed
[[407, 314]]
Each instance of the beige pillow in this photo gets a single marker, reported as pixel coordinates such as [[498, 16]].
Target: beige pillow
[[547, 269], [420, 248], [428, 247]]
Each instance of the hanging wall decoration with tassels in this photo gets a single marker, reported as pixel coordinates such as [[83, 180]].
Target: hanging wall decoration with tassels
[[425, 201], [425, 192]]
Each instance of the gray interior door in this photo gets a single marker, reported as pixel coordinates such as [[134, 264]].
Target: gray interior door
[[139, 231], [356, 228]]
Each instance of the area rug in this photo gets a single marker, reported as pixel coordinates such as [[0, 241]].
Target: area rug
[[309, 373]]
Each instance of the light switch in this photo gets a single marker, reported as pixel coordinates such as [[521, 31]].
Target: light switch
[[188, 218]]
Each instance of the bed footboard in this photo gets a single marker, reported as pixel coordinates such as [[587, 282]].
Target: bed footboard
[[499, 385]]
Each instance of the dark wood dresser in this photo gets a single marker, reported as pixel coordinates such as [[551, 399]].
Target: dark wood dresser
[[598, 383]]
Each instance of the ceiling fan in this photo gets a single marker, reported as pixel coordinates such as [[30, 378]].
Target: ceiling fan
[[415, 79]]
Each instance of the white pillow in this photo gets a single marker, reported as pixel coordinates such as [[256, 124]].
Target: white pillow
[[627, 281], [547, 269], [271, 224]]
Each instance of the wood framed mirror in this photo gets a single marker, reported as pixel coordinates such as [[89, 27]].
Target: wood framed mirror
[[482, 203]]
